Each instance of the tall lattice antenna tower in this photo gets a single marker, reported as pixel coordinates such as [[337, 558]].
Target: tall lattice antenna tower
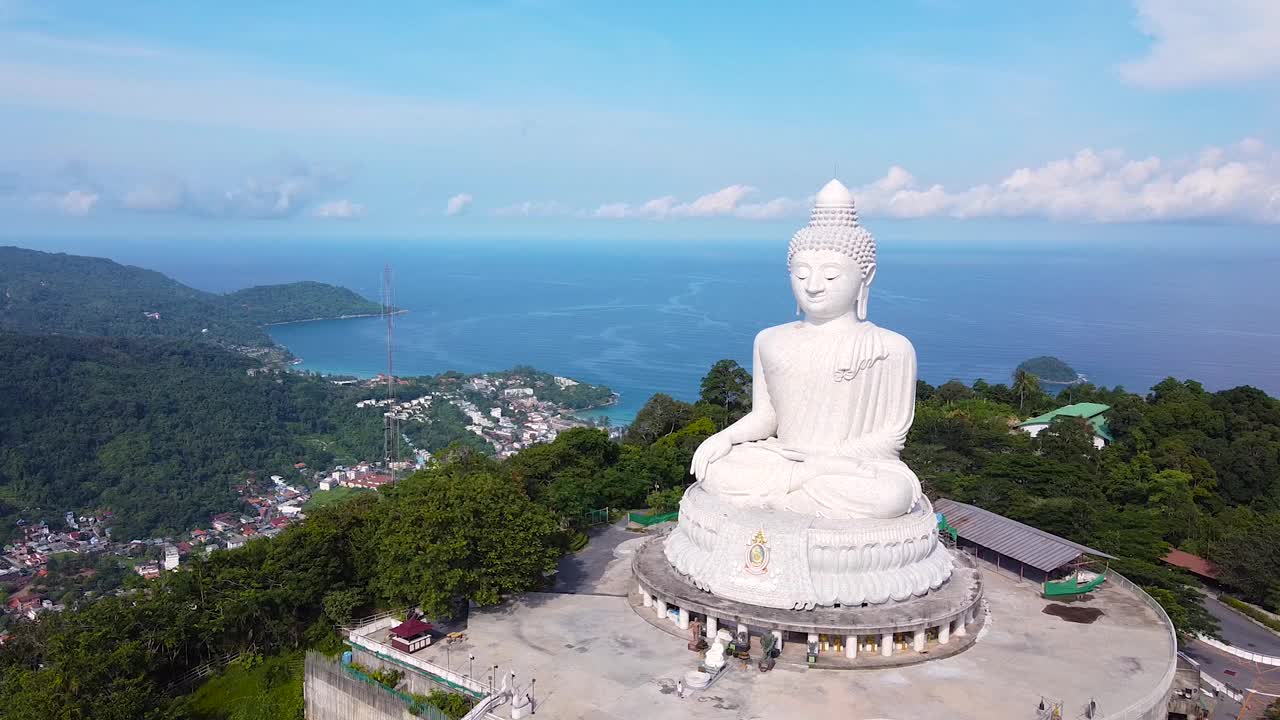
[[391, 426]]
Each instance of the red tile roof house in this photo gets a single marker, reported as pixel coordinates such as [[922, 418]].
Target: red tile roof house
[[1192, 563], [224, 522], [411, 635]]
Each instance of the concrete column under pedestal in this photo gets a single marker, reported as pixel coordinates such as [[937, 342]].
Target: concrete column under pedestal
[[886, 645], [778, 635], [659, 607], [961, 631], [944, 633], [851, 646], [711, 629], [682, 620], [648, 599], [918, 638]]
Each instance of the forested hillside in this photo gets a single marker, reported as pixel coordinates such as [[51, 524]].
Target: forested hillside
[[157, 431], [57, 294], [47, 293], [1188, 468]]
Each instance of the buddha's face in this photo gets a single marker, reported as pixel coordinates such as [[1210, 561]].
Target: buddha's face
[[826, 283]]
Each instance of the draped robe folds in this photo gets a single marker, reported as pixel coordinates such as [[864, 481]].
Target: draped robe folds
[[834, 404]]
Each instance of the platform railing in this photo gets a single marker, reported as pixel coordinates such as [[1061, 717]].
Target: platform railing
[[1156, 703]]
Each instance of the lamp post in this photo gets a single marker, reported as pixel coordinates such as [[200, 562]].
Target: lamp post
[[471, 661], [493, 680], [533, 696], [448, 657]]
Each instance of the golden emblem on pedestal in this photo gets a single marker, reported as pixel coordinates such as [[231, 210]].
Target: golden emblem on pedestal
[[758, 554]]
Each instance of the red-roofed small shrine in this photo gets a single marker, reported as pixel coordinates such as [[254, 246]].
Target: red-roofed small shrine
[[411, 635]]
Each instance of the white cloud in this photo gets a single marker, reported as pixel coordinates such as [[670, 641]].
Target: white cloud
[[727, 201], [77, 203], [159, 197], [721, 202], [73, 46], [534, 209], [458, 204], [614, 211], [286, 187], [339, 210], [1204, 42], [773, 209], [1239, 183], [73, 203]]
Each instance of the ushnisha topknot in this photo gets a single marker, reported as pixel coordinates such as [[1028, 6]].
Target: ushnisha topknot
[[833, 225]]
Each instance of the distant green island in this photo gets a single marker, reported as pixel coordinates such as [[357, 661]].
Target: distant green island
[[1050, 369], [60, 294], [299, 302]]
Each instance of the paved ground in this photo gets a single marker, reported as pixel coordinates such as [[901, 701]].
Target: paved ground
[[594, 657], [1242, 632], [594, 569], [1234, 671]]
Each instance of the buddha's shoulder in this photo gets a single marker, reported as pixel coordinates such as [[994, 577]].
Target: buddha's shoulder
[[769, 335], [785, 333], [893, 342]]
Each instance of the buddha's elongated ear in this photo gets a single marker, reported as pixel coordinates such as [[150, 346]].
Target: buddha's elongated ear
[[864, 292]]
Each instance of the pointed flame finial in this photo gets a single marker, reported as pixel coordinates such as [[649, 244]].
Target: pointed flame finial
[[834, 194]]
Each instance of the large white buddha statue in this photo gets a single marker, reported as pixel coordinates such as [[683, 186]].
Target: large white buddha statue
[[832, 394], [809, 484]]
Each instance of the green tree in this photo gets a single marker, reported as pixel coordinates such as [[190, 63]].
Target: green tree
[[440, 537], [1067, 440], [1172, 497], [660, 416], [953, 391], [665, 501], [1248, 554], [727, 386], [1026, 386]]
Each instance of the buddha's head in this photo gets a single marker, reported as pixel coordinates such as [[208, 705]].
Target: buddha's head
[[833, 260]]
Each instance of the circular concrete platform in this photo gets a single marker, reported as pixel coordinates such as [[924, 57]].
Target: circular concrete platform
[[594, 656], [928, 622]]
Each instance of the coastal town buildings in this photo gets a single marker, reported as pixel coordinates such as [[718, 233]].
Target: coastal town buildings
[[505, 411], [502, 410]]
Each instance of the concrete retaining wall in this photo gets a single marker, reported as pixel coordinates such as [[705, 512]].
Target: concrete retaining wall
[[331, 694]]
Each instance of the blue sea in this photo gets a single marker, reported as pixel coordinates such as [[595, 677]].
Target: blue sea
[[652, 317]]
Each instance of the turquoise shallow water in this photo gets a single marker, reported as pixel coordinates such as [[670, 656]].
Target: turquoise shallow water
[[652, 318]]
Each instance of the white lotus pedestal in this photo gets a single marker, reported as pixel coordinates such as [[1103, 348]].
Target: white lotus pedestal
[[781, 559], [863, 593]]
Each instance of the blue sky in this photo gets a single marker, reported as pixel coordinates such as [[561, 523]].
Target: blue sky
[[641, 119]]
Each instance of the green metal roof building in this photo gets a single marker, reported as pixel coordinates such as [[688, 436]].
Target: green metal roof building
[[1093, 413]]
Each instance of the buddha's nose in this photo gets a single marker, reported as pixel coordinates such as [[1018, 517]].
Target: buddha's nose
[[813, 286]]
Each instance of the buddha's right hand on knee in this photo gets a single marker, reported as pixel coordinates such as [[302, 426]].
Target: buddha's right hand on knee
[[711, 450]]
